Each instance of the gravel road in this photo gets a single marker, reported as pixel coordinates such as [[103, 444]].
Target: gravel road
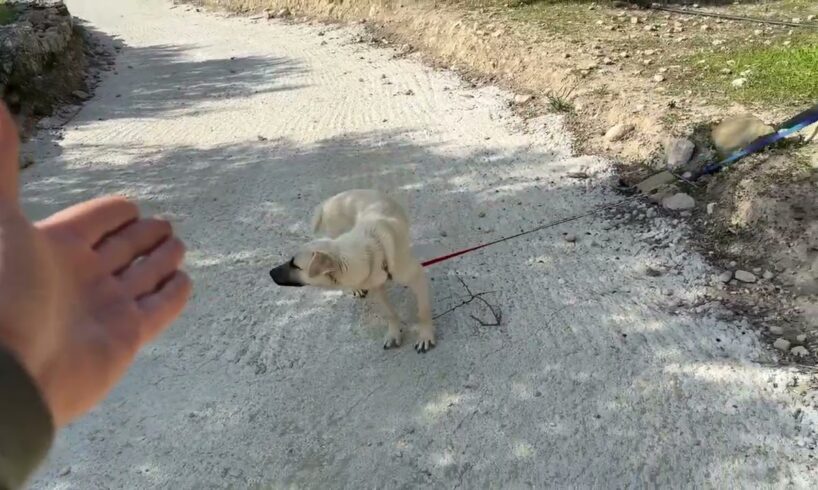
[[602, 373]]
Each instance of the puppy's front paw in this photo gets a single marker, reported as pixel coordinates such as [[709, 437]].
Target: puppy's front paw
[[360, 293], [426, 339], [392, 339]]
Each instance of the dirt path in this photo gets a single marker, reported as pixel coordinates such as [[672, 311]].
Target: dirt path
[[600, 375]]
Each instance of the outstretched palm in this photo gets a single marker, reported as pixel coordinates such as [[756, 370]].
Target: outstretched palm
[[83, 290]]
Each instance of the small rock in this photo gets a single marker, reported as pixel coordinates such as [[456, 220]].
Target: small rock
[[739, 82], [782, 344], [409, 92], [725, 276], [651, 272], [679, 152], [635, 20], [65, 471], [801, 338], [679, 202], [570, 238], [80, 94], [745, 276], [711, 207], [481, 214], [521, 99], [775, 330], [799, 351], [768, 275], [607, 61], [619, 131], [810, 18], [658, 78]]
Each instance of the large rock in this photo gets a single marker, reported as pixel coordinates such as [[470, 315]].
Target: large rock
[[42, 60], [679, 151], [679, 202], [735, 132]]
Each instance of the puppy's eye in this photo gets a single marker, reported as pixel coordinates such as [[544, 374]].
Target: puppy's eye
[[292, 264]]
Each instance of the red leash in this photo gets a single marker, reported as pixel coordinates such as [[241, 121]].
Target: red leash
[[541, 227]]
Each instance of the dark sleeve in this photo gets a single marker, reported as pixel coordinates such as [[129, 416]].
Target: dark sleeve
[[26, 428]]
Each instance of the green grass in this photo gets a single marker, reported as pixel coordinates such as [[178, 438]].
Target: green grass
[[560, 100], [777, 74], [7, 13]]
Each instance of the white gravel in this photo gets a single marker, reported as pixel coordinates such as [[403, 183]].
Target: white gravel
[[588, 383]]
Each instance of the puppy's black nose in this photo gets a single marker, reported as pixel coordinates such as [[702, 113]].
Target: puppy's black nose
[[272, 275]]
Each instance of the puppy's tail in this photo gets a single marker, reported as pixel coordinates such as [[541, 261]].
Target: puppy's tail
[[317, 218]]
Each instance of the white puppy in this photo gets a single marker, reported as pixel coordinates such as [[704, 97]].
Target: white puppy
[[367, 243]]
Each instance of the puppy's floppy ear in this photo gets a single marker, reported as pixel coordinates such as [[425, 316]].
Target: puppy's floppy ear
[[321, 263]]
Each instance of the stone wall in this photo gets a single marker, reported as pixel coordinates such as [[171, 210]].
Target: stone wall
[[42, 63]]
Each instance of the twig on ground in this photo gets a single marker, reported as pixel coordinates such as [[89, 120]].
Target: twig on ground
[[495, 310]]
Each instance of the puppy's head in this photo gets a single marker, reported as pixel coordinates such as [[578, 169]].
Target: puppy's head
[[315, 264]]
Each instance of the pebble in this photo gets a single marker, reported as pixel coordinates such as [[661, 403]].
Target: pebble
[[658, 78], [81, 94], [521, 99], [570, 238], [65, 471], [799, 351], [745, 276], [679, 202], [619, 131], [725, 276], [775, 330], [651, 272], [711, 207], [481, 214], [768, 275], [782, 344], [801, 338], [739, 82]]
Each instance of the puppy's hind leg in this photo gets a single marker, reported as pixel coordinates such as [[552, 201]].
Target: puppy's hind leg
[[393, 333], [415, 279]]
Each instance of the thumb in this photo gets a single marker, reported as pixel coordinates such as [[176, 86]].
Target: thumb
[[9, 156]]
